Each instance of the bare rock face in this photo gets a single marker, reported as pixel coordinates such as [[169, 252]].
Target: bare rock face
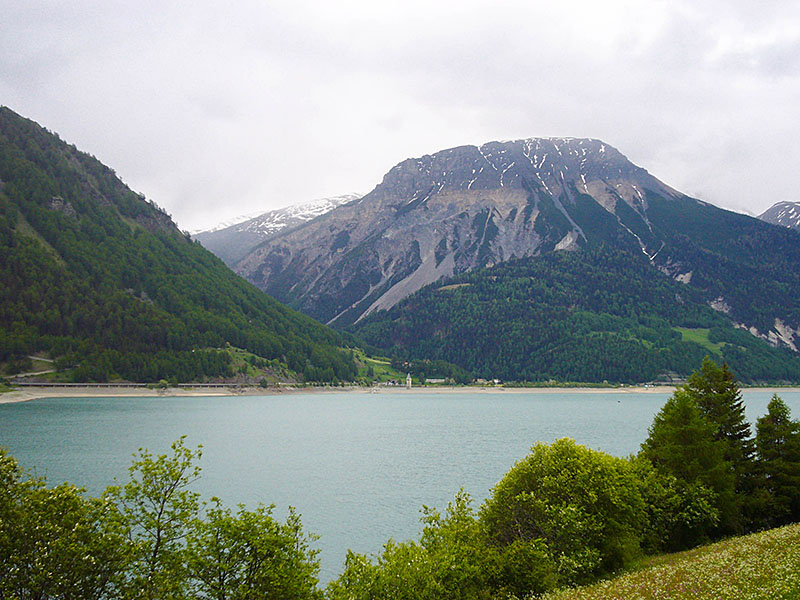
[[57, 203], [455, 211], [786, 214]]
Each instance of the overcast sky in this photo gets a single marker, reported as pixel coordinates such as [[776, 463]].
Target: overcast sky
[[216, 109]]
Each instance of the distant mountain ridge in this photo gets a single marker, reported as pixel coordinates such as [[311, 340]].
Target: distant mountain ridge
[[786, 214], [233, 240], [471, 207], [533, 259]]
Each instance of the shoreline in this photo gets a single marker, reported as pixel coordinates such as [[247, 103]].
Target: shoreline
[[38, 393]]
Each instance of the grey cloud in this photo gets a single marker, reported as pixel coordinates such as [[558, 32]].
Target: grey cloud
[[217, 110]]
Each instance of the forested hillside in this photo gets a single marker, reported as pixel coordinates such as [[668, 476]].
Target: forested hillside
[[588, 315], [102, 280]]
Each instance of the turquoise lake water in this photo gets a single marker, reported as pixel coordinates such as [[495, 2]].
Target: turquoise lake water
[[357, 466]]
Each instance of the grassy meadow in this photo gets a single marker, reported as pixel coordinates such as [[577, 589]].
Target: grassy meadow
[[762, 565]]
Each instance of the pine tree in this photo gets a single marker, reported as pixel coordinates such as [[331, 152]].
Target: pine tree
[[683, 443], [716, 391], [778, 445]]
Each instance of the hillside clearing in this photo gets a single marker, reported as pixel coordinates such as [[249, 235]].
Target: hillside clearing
[[700, 337]]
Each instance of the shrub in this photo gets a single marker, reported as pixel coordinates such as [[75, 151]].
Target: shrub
[[583, 506]]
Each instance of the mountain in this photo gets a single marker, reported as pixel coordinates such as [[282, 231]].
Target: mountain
[[471, 207], [232, 241], [545, 210], [102, 280], [451, 212], [786, 214]]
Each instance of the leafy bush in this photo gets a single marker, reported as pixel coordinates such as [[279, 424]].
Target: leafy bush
[[451, 560], [54, 543], [585, 506]]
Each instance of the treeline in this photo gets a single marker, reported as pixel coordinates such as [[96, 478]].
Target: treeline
[[94, 274], [563, 515], [590, 315]]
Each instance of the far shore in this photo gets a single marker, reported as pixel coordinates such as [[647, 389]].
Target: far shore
[[36, 393]]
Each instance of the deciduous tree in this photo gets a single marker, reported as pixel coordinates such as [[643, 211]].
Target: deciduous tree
[[54, 542], [584, 505], [250, 555], [159, 504]]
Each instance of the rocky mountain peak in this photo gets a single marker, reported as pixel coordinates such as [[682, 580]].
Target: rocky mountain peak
[[548, 162], [786, 214], [454, 211]]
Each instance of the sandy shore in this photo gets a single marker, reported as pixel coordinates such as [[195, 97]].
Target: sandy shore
[[35, 393]]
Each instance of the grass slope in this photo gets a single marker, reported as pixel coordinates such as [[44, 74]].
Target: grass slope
[[381, 368], [761, 565], [700, 337]]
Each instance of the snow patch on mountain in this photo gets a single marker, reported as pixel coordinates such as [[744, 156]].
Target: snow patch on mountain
[[267, 223], [786, 214], [231, 242], [273, 221], [228, 223]]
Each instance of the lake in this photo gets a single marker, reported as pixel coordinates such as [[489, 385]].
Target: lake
[[357, 466]]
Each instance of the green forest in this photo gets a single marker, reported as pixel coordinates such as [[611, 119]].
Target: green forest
[[102, 281], [753, 266], [564, 515], [601, 313]]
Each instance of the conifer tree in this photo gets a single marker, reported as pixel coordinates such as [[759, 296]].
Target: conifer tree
[[778, 444], [716, 391], [682, 442]]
